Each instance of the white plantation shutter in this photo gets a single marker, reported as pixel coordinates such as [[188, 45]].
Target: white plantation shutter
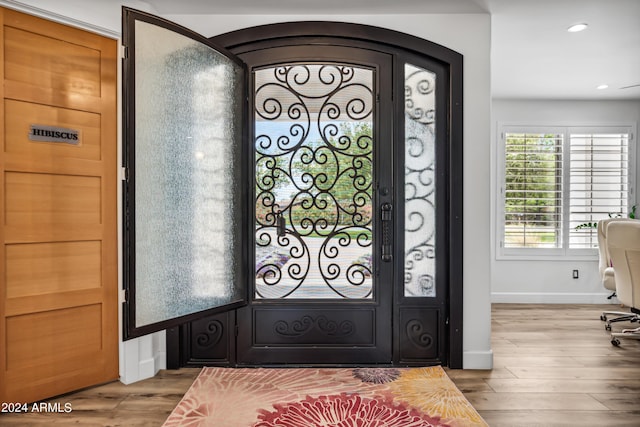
[[599, 182], [533, 190], [555, 180]]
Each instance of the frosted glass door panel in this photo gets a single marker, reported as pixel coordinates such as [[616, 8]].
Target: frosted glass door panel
[[188, 135]]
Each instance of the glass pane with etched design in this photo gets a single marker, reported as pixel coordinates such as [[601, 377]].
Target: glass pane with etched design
[[419, 185], [313, 152]]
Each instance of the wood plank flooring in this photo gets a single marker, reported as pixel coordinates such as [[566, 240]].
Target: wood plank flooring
[[144, 403], [553, 366]]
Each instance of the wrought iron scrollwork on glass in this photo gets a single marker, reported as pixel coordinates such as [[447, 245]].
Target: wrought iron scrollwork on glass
[[420, 167], [314, 160]]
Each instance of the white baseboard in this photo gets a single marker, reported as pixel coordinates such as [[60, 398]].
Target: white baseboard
[[477, 359], [552, 298], [141, 358], [149, 368], [160, 361]]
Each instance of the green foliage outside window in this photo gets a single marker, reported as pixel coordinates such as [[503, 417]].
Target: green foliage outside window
[[632, 215], [335, 178], [532, 179]]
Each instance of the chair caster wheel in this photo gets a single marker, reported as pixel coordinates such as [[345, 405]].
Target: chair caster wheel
[[607, 328], [615, 342], [603, 317]]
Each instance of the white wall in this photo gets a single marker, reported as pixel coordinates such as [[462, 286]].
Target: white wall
[[99, 16], [468, 34], [550, 281]]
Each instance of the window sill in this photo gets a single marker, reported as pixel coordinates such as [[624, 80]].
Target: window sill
[[548, 257]]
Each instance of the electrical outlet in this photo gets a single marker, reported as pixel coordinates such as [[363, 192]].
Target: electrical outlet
[[575, 274]]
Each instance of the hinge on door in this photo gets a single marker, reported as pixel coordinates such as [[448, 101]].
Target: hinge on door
[[377, 97], [124, 295], [237, 330], [124, 174], [124, 52], [446, 321]]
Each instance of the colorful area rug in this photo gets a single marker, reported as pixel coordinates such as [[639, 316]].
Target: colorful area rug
[[315, 397]]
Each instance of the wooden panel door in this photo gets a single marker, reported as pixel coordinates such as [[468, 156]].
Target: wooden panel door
[[58, 258]]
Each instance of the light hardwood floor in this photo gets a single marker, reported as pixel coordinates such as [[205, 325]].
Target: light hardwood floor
[[553, 366]]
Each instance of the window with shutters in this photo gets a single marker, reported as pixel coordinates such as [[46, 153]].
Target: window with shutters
[[532, 190], [557, 182]]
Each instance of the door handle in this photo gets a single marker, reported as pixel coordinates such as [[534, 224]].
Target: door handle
[[386, 216], [281, 224]]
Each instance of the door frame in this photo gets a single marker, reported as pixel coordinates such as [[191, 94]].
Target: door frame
[[397, 44], [400, 45]]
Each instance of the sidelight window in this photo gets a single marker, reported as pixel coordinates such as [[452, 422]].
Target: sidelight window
[[420, 185]]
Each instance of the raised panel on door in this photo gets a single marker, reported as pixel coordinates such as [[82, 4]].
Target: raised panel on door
[[58, 307]]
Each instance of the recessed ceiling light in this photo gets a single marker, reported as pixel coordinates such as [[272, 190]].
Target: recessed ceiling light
[[577, 27], [602, 87]]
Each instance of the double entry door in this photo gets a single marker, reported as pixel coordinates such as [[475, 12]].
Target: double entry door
[[271, 199]]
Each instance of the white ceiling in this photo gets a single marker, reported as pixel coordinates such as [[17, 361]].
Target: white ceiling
[[290, 7], [532, 54]]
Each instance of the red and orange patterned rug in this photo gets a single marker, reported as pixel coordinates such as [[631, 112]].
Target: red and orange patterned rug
[[314, 397]]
